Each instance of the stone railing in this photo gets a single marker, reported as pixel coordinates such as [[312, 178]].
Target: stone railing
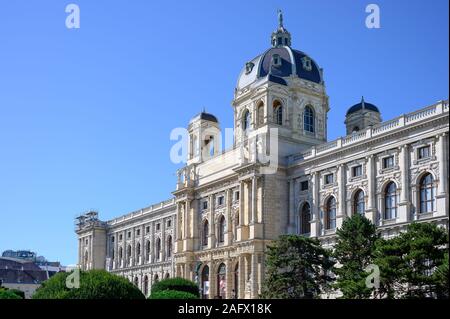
[[148, 210], [382, 128]]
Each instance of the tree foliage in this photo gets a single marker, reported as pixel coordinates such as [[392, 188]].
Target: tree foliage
[[8, 294], [414, 264], [354, 251], [297, 267], [94, 284], [176, 284], [172, 294]]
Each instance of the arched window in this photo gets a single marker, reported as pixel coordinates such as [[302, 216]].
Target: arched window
[[158, 249], [205, 233], [246, 121], [205, 282], [278, 113], [86, 258], [120, 252], [358, 203], [355, 129], [147, 250], [136, 281], [305, 217], [145, 285], [138, 249], [167, 276], [222, 229], [169, 246], [221, 281], [427, 194], [308, 119], [129, 252], [261, 113], [330, 220], [156, 278], [390, 201]]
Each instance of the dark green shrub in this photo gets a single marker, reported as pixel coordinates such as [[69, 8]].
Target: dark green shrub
[[172, 294], [177, 284], [94, 284], [18, 292], [8, 294]]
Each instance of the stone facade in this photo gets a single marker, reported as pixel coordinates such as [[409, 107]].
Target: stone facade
[[227, 206]]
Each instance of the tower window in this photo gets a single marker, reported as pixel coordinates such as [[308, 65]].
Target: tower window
[[220, 200], [278, 113], [329, 178], [357, 171], [280, 41], [304, 186], [276, 60], [306, 63], [388, 162], [246, 121], [308, 119], [424, 152], [249, 67]]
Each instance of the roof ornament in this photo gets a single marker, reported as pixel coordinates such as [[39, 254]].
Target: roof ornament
[[280, 19], [362, 102]]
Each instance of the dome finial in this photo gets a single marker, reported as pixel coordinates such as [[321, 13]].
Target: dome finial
[[362, 102], [280, 18], [281, 36]]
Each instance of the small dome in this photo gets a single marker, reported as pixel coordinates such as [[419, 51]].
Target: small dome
[[205, 116], [362, 106]]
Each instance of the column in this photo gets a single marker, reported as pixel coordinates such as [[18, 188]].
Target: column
[[443, 161], [442, 185], [163, 239], [403, 206], [212, 280], [291, 217], [228, 199], [315, 205], [254, 276], [254, 201], [212, 224], [116, 250], [241, 290], [229, 278], [341, 214]]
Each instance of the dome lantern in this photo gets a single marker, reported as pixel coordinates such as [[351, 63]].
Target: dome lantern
[[280, 37]]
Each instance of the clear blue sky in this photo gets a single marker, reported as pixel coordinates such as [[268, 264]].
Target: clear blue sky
[[85, 115]]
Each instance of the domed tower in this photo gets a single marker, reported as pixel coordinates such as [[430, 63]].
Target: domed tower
[[204, 137], [282, 88], [361, 115]]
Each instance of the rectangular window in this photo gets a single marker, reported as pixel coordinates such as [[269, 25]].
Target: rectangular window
[[236, 196], [357, 171], [304, 186], [158, 226], [388, 162], [220, 200], [205, 205], [147, 229], [169, 223], [138, 232], [129, 234], [120, 237], [424, 152], [328, 179]]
